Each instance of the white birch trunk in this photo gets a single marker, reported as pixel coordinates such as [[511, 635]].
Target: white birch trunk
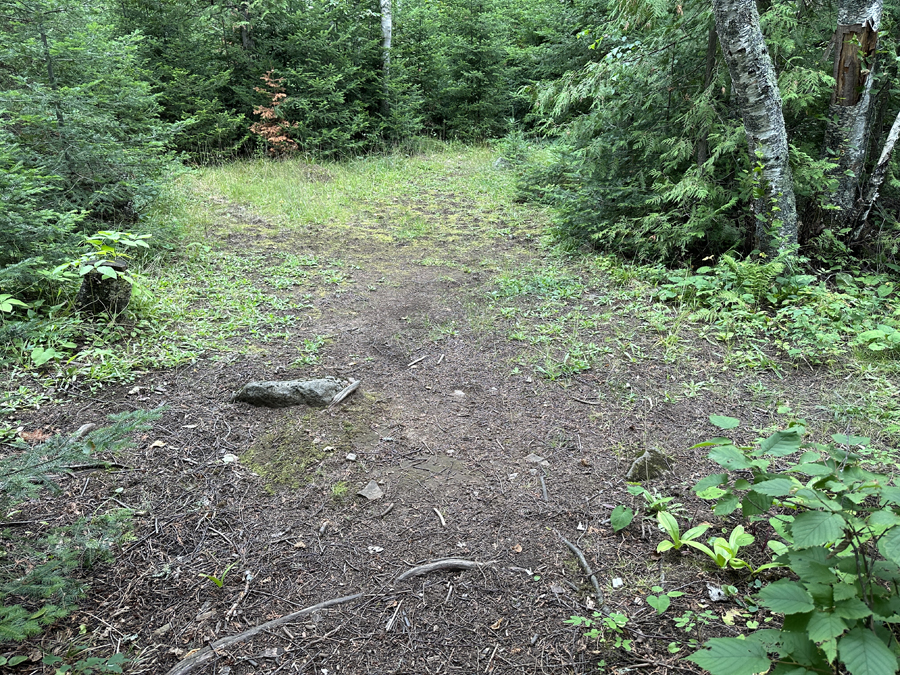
[[875, 181], [756, 90], [387, 29], [855, 42]]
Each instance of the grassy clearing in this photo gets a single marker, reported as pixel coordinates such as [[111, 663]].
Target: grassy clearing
[[244, 276]]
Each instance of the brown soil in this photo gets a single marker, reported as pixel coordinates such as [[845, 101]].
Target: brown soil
[[446, 439]]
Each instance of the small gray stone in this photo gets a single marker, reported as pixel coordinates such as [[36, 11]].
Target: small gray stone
[[617, 582], [351, 457], [649, 465], [371, 491], [537, 459], [274, 394]]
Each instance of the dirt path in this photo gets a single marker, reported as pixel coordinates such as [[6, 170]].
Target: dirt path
[[406, 300]]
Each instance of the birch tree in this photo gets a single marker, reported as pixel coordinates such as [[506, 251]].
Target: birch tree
[[855, 41], [755, 88]]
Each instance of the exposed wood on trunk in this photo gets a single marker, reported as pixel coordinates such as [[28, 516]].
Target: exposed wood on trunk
[[756, 90], [846, 136], [861, 217]]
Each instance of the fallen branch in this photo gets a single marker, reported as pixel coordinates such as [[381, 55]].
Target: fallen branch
[[443, 522], [412, 363], [447, 564], [581, 400], [344, 393], [587, 568], [206, 654]]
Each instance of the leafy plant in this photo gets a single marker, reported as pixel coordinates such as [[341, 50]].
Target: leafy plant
[[605, 627], [654, 501], [676, 540], [219, 581], [88, 666], [105, 247], [38, 584], [842, 544], [662, 601], [621, 517]]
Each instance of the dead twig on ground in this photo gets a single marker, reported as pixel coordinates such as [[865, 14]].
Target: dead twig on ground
[[204, 655], [587, 568], [446, 564], [443, 522], [344, 393]]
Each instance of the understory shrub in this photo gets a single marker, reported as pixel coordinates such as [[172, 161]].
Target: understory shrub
[[41, 574]]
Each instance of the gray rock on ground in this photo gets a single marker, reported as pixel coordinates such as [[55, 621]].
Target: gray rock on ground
[[274, 394], [649, 465]]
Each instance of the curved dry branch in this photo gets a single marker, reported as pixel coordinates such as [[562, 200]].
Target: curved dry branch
[[446, 564], [201, 656], [587, 568]]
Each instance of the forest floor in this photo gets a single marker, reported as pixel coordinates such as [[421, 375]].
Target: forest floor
[[477, 347]]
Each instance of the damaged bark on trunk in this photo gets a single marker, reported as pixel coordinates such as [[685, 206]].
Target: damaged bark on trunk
[[846, 137], [756, 90]]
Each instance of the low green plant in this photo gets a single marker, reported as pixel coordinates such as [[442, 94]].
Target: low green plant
[[105, 246], [840, 527], [605, 627], [676, 539], [662, 601], [38, 580], [88, 666], [654, 502], [219, 581], [621, 517]]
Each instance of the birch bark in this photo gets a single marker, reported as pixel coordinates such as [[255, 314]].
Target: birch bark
[[855, 42], [756, 90]]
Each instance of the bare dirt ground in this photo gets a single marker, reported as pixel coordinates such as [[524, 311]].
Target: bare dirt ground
[[443, 422]]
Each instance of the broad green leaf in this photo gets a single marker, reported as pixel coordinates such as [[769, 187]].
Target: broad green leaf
[[754, 503], [786, 597], [889, 545], [883, 520], [776, 487], [664, 546], [726, 505], [730, 457], [621, 517], [670, 525], [731, 656], [695, 532], [710, 481], [781, 443], [890, 495], [864, 653], [845, 439], [824, 626], [814, 528], [659, 602], [852, 608], [724, 422], [811, 469]]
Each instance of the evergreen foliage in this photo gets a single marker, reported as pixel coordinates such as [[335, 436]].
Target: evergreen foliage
[[40, 582], [650, 158], [80, 139]]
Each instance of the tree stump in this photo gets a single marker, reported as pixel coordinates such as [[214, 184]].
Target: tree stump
[[104, 295]]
